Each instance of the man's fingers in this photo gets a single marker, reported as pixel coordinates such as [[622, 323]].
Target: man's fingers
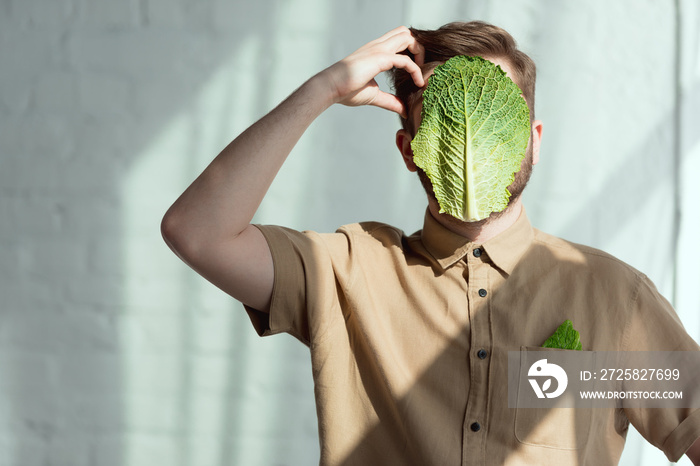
[[416, 48], [392, 33], [389, 102], [400, 42], [405, 41], [405, 62], [350, 75]]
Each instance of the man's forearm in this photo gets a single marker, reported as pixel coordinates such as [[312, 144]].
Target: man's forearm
[[222, 201], [209, 225]]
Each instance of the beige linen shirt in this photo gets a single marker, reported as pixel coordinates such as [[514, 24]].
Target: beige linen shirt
[[409, 337]]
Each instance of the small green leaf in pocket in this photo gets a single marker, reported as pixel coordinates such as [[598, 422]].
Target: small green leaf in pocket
[[565, 337]]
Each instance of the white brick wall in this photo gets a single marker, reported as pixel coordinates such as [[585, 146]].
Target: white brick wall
[[111, 351]]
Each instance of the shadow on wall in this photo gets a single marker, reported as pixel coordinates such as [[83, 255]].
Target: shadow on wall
[[193, 416], [104, 319], [631, 209]]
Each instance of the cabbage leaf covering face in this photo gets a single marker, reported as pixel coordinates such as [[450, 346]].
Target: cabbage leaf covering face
[[473, 136]]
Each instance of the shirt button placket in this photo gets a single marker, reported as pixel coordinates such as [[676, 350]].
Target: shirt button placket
[[479, 329]]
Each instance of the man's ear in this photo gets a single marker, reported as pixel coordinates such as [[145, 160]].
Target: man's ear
[[536, 140], [403, 142]]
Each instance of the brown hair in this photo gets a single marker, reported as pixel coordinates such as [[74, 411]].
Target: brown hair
[[475, 38]]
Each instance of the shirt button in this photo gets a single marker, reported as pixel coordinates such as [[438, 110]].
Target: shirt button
[[482, 354], [477, 252], [476, 427], [482, 292]]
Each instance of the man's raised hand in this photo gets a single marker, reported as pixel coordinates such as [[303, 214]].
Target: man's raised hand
[[352, 79]]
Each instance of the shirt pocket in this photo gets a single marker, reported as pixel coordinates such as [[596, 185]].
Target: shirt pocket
[[560, 428]]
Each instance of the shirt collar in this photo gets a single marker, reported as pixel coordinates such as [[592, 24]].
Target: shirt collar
[[504, 249]]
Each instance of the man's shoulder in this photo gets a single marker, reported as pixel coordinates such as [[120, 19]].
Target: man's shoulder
[[374, 240], [363, 238], [372, 231], [581, 255]]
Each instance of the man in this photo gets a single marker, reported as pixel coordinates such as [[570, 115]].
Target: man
[[409, 334]]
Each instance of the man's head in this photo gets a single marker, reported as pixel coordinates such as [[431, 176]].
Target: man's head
[[475, 38]]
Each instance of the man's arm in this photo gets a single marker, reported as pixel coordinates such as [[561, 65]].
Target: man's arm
[[208, 226]]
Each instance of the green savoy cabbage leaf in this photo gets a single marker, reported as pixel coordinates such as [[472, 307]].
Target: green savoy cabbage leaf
[[565, 337], [473, 136]]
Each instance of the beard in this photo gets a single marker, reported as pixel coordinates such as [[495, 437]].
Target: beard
[[515, 189]]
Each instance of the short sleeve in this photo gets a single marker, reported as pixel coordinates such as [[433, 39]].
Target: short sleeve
[[304, 294], [654, 326]]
